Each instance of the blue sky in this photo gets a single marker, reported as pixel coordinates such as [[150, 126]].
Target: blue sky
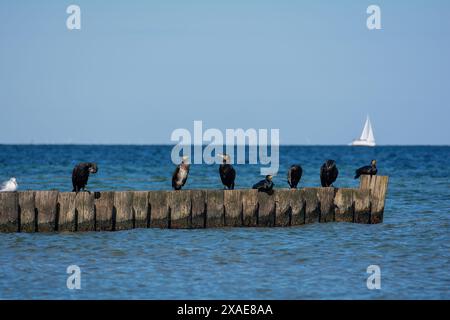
[[137, 70]]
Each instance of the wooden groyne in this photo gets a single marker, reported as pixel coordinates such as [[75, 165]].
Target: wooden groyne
[[48, 211]]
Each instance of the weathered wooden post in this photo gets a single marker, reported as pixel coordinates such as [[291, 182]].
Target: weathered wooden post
[[9, 212], [361, 199], [159, 209], [141, 209], [27, 211], [180, 209], [198, 208], [326, 200], [67, 220], [365, 181], [45, 204], [104, 207], [233, 208], [343, 202], [249, 207], [312, 209], [283, 212], [266, 209], [84, 204], [215, 216], [298, 207], [378, 189], [123, 209], [378, 196]]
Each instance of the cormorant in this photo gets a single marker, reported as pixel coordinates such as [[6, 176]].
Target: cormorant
[[80, 175], [9, 186], [180, 174], [227, 172], [369, 170], [328, 173], [294, 175], [265, 185]]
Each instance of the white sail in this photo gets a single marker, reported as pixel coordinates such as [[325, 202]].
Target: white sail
[[365, 132], [367, 138], [370, 137]]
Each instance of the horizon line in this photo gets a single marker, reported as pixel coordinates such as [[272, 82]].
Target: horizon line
[[236, 145]]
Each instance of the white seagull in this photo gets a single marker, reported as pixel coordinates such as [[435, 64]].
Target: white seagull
[[10, 185]]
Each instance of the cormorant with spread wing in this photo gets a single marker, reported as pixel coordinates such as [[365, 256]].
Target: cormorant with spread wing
[[227, 172], [265, 185], [180, 174], [328, 173], [368, 170], [80, 175], [294, 175]]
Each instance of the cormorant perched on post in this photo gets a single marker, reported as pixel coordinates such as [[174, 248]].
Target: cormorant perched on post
[[265, 185], [80, 175], [180, 174], [328, 173], [369, 170], [294, 175], [227, 172]]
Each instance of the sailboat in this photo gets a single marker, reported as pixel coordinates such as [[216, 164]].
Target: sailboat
[[367, 139]]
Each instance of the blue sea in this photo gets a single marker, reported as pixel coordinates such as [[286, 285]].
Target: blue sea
[[317, 261]]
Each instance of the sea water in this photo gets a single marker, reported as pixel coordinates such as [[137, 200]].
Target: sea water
[[316, 261]]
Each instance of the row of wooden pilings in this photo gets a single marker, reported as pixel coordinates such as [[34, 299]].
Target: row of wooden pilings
[[47, 211]]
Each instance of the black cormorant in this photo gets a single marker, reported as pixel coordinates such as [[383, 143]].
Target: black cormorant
[[294, 175], [369, 170], [265, 185], [227, 172], [328, 173], [180, 174], [80, 175]]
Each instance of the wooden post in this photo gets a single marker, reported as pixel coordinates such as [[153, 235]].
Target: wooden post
[[180, 209], [123, 208], [326, 199], [343, 202], [298, 207], [9, 212], [379, 199], [283, 213], [27, 211], [46, 203], [312, 212], [361, 199], [140, 208], [378, 188], [67, 220], [198, 212], [104, 207], [159, 209], [266, 209], [249, 207], [215, 216], [233, 208], [364, 181], [85, 209]]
